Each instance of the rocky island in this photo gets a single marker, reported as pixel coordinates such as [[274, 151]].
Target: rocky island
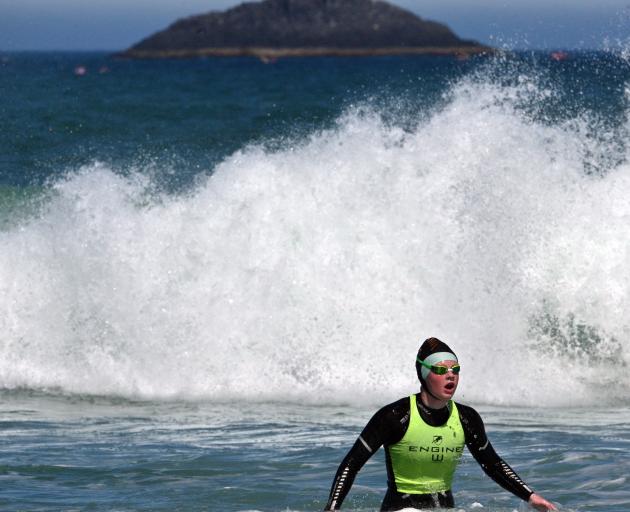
[[285, 28]]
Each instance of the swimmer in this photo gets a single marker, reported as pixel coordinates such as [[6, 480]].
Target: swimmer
[[424, 436]]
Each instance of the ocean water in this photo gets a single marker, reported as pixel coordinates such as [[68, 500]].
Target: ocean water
[[213, 272]]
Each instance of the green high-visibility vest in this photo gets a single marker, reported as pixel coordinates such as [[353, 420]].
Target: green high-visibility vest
[[424, 460]]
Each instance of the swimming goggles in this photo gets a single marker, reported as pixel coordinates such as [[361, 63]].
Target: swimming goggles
[[439, 369]]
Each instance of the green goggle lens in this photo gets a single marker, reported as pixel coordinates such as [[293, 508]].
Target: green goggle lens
[[439, 369]]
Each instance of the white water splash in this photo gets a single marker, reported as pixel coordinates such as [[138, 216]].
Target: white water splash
[[312, 272]]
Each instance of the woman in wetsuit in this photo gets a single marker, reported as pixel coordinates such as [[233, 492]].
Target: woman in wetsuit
[[424, 437]]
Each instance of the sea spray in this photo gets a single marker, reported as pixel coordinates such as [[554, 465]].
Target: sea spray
[[312, 271]]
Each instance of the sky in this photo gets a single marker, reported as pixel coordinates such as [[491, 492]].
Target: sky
[[84, 25]]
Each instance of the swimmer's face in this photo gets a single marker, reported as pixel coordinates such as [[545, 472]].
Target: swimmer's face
[[443, 386]]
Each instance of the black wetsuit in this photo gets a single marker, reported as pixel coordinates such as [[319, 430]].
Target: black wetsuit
[[388, 426]]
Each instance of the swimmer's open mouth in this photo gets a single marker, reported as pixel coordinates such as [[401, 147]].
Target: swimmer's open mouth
[[450, 385]]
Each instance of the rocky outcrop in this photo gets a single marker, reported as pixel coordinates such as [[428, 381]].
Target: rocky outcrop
[[274, 28]]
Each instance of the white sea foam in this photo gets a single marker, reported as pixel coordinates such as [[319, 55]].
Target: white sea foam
[[312, 272]]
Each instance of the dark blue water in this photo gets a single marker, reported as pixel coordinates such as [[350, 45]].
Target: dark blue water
[[188, 115]]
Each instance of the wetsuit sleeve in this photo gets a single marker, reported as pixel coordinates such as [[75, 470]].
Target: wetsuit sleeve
[[387, 426], [483, 452]]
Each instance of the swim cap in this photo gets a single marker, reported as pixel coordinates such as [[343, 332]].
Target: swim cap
[[432, 351]]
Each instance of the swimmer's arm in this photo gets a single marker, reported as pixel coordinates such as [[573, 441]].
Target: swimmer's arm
[[493, 465], [384, 427], [348, 469]]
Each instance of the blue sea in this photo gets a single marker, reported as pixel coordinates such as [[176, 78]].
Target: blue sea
[[214, 271]]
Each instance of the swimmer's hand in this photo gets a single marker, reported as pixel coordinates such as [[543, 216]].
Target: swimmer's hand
[[540, 503]]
